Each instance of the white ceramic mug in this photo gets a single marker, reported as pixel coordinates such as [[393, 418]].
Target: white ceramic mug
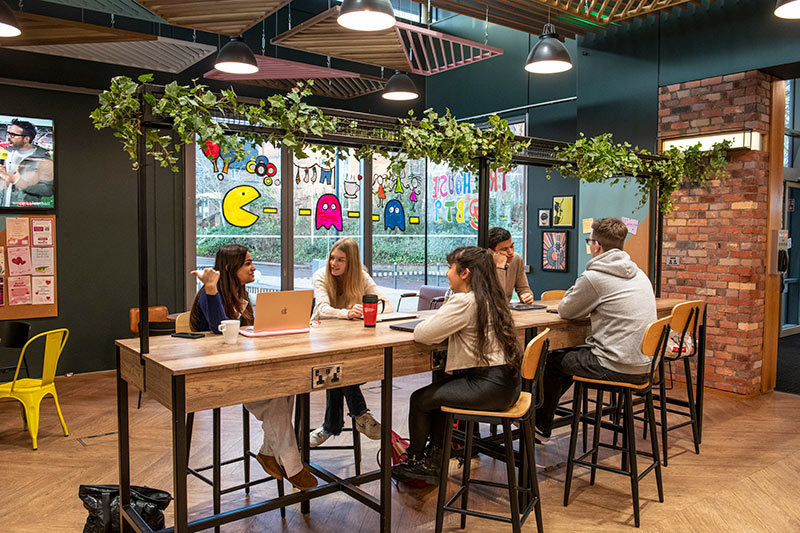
[[230, 331]]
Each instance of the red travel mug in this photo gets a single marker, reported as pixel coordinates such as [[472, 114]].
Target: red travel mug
[[369, 304]]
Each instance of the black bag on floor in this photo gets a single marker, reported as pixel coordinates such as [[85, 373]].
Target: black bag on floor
[[102, 502]]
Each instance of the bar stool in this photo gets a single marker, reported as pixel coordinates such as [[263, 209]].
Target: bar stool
[[356, 446], [686, 320], [521, 412], [216, 483], [654, 344]]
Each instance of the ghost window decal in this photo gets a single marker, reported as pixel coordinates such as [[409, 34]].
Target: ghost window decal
[[329, 212], [394, 216]]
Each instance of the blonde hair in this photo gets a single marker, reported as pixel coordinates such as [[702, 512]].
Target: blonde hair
[[346, 290]]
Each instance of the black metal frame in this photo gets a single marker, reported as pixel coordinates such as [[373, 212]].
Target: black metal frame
[[373, 130]]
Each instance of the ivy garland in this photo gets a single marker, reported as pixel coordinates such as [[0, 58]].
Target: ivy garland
[[196, 113], [599, 159]]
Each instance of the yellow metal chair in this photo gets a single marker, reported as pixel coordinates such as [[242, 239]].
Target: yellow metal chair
[[30, 392]]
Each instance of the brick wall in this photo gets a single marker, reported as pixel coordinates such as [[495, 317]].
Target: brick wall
[[719, 232]]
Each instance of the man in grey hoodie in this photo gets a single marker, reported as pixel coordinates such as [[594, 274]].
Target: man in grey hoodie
[[619, 298]]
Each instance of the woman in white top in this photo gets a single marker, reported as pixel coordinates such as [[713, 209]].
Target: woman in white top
[[338, 289], [483, 359]]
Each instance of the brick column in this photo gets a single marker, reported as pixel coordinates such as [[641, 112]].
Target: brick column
[[719, 232]]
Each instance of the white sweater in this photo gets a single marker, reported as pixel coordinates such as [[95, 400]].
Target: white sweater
[[457, 322], [322, 302]]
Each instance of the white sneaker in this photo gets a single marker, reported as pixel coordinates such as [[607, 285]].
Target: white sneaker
[[318, 436], [367, 425]]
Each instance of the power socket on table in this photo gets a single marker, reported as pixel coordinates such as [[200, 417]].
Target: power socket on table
[[326, 376]]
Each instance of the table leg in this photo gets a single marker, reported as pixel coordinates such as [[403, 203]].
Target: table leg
[[123, 446], [217, 460], [179, 458], [386, 442], [303, 407]]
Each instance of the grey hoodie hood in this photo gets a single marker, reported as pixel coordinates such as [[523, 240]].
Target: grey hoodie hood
[[619, 298]]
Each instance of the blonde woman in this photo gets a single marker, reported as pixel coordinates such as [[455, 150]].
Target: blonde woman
[[338, 289]]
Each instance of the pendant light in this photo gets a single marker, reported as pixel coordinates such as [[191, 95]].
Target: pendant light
[[9, 27], [549, 55], [236, 58], [400, 87], [366, 15], [788, 9]]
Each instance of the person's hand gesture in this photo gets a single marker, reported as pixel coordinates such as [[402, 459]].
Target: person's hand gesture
[[209, 278], [357, 311], [527, 298], [500, 259]]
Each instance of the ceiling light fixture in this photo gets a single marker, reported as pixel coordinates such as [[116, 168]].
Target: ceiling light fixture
[[400, 87], [9, 27], [366, 15], [549, 55], [236, 58], [788, 9]]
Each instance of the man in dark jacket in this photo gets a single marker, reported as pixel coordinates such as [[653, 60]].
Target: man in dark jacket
[[27, 175], [619, 298]]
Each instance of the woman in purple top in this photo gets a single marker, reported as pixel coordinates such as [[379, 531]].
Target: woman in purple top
[[224, 297]]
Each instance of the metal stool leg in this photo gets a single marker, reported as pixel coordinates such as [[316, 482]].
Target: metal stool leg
[[692, 407], [662, 400], [217, 467], [527, 430], [356, 446], [443, 474], [585, 425], [573, 439], [634, 473], [598, 418], [654, 447], [513, 495], [467, 470]]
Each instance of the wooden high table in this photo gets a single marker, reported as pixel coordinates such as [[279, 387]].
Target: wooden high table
[[189, 375]]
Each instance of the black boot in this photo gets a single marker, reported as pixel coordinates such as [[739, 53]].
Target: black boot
[[425, 468]]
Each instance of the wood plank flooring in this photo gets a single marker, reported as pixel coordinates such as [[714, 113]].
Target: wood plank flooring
[[745, 479]]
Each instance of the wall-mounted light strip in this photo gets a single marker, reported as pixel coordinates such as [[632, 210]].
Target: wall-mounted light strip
[[748, 139]]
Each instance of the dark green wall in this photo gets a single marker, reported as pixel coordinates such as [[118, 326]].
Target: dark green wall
[[96, 231]]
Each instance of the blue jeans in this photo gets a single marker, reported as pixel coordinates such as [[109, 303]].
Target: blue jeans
[[334, 407]]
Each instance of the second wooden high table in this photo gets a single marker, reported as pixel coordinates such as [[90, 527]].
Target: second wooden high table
[[189, 375]]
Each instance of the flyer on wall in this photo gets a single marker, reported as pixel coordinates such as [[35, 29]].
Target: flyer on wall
[[19, 261], [2, 292], [2, 261], [42, 231], [42, 261], [19, 290], [17, 232], [43, 290]]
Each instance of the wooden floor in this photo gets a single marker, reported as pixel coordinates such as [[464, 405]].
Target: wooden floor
[[746, 479]]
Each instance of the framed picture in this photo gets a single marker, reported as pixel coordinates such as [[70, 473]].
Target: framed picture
[[554, 251], [544, 218], [563, 211]]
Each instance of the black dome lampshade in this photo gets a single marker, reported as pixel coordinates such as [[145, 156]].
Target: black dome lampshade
[[9, 27], [788, 9], [549, 55], [366, 15], [236, 58], [400, 87]]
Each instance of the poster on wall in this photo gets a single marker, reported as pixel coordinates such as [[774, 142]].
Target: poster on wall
[[43, 290], [42, 232], [42, 261], [563, 211], [17, 232], [19, 261], [19, 290], [2, 261], [554, 251], [2, 292]]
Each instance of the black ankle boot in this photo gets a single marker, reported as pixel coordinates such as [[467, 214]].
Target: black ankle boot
[[425, 468]]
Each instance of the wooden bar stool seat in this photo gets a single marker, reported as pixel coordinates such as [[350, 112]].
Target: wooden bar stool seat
[[653, 345], [522, 413]]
